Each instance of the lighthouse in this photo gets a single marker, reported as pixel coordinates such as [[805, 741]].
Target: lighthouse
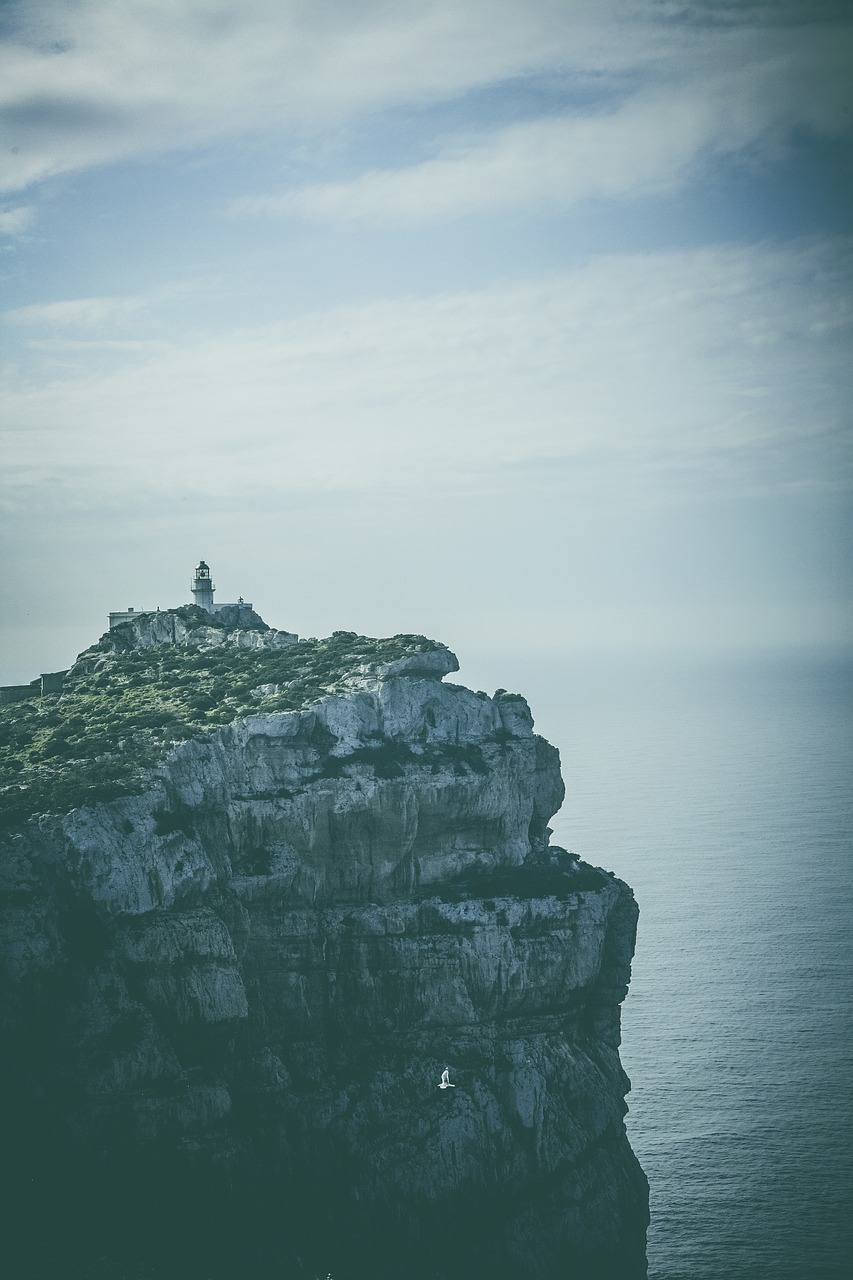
[[203, 588]]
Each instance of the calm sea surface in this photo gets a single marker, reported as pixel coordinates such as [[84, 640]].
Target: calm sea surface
[[722, 794]]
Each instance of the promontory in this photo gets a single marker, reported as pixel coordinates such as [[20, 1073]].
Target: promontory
[[261, 896]]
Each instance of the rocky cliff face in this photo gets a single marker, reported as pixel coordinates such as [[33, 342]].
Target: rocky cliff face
[[235, 625], [229, 1000]]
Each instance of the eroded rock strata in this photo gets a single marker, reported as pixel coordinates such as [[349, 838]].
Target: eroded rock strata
[[229, 999]]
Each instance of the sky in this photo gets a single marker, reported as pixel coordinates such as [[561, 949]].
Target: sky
[[524, 324]]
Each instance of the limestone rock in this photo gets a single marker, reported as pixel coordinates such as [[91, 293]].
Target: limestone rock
[[234, 626], [230, 999]]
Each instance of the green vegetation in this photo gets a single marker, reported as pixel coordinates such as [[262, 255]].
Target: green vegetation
[[530, 880], [96, 739], [389, 756]]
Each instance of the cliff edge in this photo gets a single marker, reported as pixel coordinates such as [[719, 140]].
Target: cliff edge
[[257, 894]]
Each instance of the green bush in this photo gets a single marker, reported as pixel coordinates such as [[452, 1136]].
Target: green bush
[[166, 822]]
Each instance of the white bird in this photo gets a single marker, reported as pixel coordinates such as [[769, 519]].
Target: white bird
[[445, 1080]]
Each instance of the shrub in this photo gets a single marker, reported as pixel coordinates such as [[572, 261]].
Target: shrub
[[167, 821]]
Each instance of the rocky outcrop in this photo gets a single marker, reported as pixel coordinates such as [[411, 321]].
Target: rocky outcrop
[[234, 625], [230, 999]]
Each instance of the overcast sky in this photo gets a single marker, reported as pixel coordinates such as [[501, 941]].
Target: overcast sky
[[522, 323]]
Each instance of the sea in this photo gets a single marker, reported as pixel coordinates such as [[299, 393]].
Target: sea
[[721, 790]]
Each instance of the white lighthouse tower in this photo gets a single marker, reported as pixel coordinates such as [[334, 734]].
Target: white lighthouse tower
[[203, 587]]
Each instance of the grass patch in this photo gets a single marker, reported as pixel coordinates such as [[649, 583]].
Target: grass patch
[[97, 739]]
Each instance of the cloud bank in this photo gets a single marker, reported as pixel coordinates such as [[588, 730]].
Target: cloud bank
[[652, 142], [716, 370], [86, 82]]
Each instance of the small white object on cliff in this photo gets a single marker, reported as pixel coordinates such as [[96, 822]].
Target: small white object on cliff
[[445, 1080]]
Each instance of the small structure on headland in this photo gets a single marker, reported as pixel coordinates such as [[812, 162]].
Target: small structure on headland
[[47, 682], [51, 682], [202, 589]]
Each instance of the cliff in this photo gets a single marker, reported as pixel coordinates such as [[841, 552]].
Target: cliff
[[232, 981]]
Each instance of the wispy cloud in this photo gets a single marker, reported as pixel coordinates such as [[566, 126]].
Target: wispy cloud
[[78, 313], [654, 141], [15, 220], [693, 370], [90, 82], [102, 319]]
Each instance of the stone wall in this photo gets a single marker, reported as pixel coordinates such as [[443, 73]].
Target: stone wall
[[48, 682]]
